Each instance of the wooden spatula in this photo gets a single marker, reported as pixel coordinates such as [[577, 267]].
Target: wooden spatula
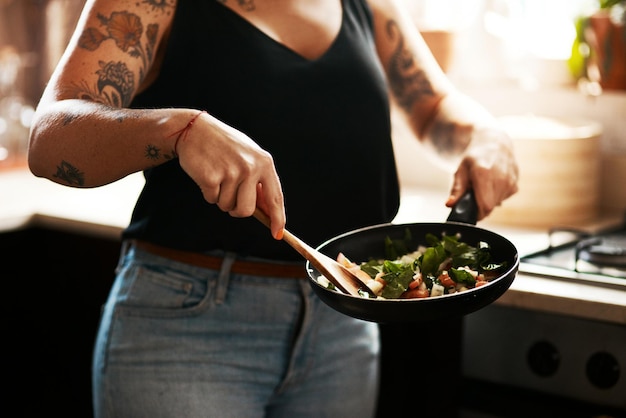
[[337, 274]]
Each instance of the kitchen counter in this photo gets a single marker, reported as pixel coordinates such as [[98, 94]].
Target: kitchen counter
[[27, 201]]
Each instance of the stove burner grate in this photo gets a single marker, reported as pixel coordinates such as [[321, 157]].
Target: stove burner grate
[[598, 258], [601, 252]]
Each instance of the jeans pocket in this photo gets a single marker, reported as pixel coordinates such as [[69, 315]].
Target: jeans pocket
[[162, 291]]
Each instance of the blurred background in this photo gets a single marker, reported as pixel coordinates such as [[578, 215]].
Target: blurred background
[[554, 67], [552, 71]]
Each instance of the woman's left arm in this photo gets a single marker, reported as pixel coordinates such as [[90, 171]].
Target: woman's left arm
[[458, 129]]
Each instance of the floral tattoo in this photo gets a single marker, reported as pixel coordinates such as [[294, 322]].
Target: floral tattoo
[[116, 82], [164, 6], [408, 83]]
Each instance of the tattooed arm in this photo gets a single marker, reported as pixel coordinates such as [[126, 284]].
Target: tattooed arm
[[454, 127], [84, 134]]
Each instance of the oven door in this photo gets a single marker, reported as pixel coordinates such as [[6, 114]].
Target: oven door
[[521, 363]]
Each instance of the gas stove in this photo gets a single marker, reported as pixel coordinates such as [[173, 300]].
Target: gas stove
[[554, 365], [598, 258]]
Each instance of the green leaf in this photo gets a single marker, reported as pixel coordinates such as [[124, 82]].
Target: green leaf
[[462, 276], [372, 267], [396, 248], [430, 260], [397, 283]]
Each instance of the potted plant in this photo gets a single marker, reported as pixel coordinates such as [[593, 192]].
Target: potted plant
[[599, 50]]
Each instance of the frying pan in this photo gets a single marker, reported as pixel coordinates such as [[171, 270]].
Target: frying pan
[[366, 243]]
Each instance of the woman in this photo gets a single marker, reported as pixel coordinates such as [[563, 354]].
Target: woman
[[228, 106]]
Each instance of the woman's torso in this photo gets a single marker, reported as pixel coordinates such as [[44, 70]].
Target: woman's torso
[[320, 109]]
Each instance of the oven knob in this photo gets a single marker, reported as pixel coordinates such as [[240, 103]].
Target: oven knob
[[543, 358], [603, 370]]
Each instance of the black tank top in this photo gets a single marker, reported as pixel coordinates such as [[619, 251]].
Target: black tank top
[[325, 121]]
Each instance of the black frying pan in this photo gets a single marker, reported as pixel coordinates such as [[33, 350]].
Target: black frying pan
[[365, 243]]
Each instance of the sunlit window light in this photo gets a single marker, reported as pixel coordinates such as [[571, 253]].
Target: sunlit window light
[[543, 28]]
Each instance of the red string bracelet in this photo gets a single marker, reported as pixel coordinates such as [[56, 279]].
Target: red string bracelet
[[182, 133]]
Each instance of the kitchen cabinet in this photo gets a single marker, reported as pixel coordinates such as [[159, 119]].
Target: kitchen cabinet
[[420, 370], [54, 285]]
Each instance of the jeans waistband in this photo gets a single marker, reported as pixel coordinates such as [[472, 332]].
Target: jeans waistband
[[254, 268]]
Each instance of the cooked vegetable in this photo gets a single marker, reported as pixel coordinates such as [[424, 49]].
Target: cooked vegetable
[[447, 265]]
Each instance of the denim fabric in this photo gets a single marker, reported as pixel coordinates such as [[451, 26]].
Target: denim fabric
[[180, 341]]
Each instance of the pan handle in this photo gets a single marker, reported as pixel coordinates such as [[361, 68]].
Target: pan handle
[[465, 210]]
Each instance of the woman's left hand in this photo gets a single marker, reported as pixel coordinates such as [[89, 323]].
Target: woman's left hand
[[489, 168]]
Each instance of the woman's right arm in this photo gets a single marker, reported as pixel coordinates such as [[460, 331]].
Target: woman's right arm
[[84, 135]]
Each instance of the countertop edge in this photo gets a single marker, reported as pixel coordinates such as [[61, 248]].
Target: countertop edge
[[26, 201], [110, 232], [564, 305]]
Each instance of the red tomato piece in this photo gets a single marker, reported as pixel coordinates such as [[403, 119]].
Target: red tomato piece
[[445, 280]]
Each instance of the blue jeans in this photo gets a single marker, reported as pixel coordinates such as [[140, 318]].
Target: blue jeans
[[181, 341]]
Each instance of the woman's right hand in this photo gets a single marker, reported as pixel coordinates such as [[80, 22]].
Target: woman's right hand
[[232, 171]]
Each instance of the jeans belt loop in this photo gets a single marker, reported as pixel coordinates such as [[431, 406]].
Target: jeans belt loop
[[124, 249], [224, 277]]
